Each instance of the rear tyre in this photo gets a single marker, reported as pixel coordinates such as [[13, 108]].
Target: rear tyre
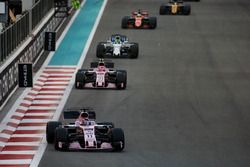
[[163, 10], [125, 22], [61, 137], [134, 50], [100, 50], [153, 22], [117, 139], [50, 130], [80, 79], [121, 79], [186, 10]]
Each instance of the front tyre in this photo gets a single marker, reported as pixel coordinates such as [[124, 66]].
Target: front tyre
[[163, 10], [134, 50], [61, 139], [100, 50], [153, 22], [121, 79], [186, 10], [117, 139], [125, 22], [50, 130], [80, 79]]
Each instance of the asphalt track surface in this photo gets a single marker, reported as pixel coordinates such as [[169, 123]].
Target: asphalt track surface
[[187, 99]]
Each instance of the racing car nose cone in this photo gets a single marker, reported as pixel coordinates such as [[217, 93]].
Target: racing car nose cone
[[117, 51]]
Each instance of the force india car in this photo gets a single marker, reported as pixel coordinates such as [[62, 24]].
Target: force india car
[[175, 7], [90, 136], [101, 75], [117, 46], [139, 19]]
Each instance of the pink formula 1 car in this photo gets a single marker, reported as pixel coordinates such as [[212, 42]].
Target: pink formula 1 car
[[101, 75], [89, 136]]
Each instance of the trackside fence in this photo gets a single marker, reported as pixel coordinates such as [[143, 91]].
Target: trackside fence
[[13, 35]]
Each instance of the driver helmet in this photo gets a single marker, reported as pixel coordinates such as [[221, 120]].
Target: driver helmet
[[117, 39], [101, 66], [84, 115]]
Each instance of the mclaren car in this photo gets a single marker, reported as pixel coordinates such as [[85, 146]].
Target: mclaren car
[[139, 19]]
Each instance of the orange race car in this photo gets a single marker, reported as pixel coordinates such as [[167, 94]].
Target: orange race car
[[139, 19], [175, 7]]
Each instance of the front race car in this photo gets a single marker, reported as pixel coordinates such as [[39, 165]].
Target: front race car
[[91, 136]]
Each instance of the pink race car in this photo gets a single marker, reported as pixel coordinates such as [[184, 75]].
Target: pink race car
[[89, 136], [101, 75]]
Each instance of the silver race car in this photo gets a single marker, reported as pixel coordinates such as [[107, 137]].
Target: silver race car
[[117, 46], [101, 75]]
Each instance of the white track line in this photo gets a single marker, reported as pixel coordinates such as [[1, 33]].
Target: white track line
[[39, 114], [18, 152], [42, 108], [44, 102], [58, 79], [54, 87], [61, 66], [10, 128], [22, 144], [13, 161], [35, 120], [56, 92], [4, 135], [31, 128], [27, 135], [19, 114], [55, 82], [47, 96]]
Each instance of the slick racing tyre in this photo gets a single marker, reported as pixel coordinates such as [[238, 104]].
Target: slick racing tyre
[[117, 139], [134, 50], [100, 50], [61, 138], [125, 22], [121, 79], [186, 9], [80, 79], [163, 10], [50, 130], [152, 22]]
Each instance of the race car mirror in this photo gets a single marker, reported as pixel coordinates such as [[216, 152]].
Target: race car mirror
[[25, 75]]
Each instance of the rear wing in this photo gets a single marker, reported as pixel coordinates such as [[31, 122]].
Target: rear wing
[[73, 113], [107, 64]]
